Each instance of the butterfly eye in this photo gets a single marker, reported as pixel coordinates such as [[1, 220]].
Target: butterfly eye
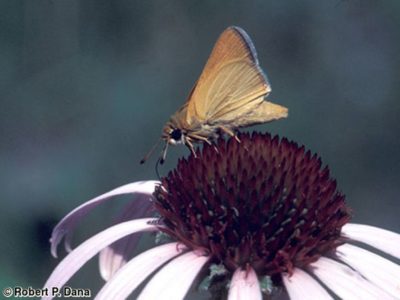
[[176, 134]]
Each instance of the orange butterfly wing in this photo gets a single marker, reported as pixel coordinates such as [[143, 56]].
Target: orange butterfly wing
[[232, 85]]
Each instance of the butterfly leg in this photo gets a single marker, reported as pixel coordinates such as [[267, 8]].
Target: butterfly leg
[[201, 138], [229, 132], [204, 139], [189, 144], [215, 148]]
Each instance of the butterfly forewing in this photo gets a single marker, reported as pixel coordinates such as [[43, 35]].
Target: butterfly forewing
[[233, 47], [233, 44], [233, 87]]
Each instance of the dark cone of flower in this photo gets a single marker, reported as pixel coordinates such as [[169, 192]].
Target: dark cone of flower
[[263, 202]]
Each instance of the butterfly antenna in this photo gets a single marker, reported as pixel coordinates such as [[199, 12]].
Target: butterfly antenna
[[150, 152]]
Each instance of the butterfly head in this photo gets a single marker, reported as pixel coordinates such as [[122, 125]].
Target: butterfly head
[[176, 136]]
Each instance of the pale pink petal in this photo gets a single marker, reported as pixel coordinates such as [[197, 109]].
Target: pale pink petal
[[68, 223], [174, 280], [384, 240], [244, 285], [79, 256], [375, 268], [127, 279], [302, 286], [116, 255], [345, 282]]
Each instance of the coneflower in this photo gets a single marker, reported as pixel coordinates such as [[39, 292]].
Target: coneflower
[[250, 220]]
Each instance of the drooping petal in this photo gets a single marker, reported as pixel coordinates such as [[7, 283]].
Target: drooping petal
[[375, 268], [116, 255], [302, 286], [384, 240], [345, 282], [174, 280], [68, 223], [79, 256], [121, 285], [244, 285]]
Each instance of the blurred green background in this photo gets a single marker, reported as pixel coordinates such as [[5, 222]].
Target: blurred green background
[[86, 86]]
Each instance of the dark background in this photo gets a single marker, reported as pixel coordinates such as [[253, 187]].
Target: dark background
[[86, 86]]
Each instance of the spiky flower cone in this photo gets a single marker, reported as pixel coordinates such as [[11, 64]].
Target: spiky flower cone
[[264, 203]]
